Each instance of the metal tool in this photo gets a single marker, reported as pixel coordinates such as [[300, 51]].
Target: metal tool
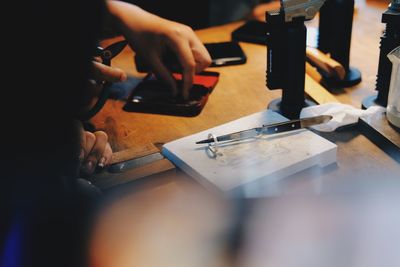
[[301, 8], [390, 39], [134, 163], [111, 51], [269, 129], [106, 55], [286, 50]]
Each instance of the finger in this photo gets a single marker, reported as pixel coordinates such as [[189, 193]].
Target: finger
[[103, 72], [203, 61], [200, 53], [162, 73], [87, 146], [82, 142], [97, 152], [186, 58], [107, 156], [89, 142]]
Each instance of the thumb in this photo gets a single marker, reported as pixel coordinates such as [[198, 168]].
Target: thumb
[[103, 72]]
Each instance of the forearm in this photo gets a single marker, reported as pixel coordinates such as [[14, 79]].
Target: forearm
[[128, 18], [118, 14]]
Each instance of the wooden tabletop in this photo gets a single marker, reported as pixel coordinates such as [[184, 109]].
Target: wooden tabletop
[[241, 91]]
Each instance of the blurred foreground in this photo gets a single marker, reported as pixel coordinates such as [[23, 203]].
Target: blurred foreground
[[352, 224]]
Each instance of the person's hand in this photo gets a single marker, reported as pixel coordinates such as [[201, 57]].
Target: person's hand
[[150, 36], [102, 72], [99, 76], [95, 152]]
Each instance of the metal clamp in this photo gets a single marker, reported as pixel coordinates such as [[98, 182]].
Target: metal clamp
[[212, 148]]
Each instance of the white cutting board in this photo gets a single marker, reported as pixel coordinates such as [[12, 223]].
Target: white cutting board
[[253, 162]]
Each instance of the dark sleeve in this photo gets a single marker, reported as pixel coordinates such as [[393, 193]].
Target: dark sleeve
[[49, 223]]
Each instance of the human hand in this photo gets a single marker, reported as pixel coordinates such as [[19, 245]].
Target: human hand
[[95, 151], [102, 72], [150, 36]]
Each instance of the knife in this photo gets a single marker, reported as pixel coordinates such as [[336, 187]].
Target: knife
[[270, 129]]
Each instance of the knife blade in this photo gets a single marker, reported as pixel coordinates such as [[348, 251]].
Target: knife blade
[[270, 129]]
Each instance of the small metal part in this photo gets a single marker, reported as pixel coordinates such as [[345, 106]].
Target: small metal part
[[212, 148], [301, 8]]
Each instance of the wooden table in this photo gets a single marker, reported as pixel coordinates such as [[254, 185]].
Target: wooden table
[[240, 92]]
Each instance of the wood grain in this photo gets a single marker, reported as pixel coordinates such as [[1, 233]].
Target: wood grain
[[241, 91]]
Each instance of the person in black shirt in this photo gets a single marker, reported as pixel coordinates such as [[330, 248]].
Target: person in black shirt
[[45, 209]]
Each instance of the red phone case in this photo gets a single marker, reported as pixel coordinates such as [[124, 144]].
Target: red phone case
[[152, 96]]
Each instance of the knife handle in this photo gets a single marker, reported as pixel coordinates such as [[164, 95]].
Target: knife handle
[[284, 127]]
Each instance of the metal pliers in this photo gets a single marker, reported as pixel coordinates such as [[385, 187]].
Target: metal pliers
[[106, 55]]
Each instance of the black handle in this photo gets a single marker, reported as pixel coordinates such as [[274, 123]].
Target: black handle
[[283, 127]]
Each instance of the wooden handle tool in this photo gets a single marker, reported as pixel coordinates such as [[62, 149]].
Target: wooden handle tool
[[313, 88], [331, 67]]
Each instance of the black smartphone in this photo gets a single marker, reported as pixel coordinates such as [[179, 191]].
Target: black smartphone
[[152, 96], [226, 53], [222, 54], [252, 31]]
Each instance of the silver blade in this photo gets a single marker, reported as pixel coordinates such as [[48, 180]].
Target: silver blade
[[271, 129], [250, 133], [246, 134]]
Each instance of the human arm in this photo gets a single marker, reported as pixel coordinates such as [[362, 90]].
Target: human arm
[[150, 35]]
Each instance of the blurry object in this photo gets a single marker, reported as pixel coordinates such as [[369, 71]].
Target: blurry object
[[286, 52], [170, 225], [313, 73], [314, 90], [356, 226], [330, 67], [335, 31], [390, 39], [248, 168], [395, 5], [393, 108]]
